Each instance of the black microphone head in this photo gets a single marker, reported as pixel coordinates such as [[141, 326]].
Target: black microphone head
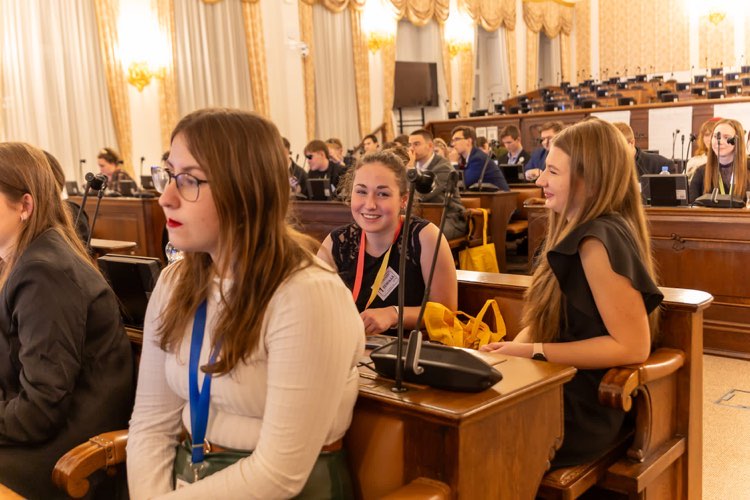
[[732, 140], [718, 135], [692, 137], [89, 177], [98, 181], [423, 181]]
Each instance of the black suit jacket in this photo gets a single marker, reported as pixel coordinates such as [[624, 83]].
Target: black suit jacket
[[66, 369], [503, 160], [455, 222], [651, 163]]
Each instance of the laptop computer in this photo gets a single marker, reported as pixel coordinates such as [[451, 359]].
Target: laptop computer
[[132, 279], [319, 189], [147, 182], [513, 173], [660, 190], [71, 187]]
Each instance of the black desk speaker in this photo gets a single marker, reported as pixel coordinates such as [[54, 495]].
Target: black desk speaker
[[445, 368]]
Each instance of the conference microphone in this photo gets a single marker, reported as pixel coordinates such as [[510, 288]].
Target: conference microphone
[[96, 182], [674, 140], [434, 365], [424, 182], [732, 140]]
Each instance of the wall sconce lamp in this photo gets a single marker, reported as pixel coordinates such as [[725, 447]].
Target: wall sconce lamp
[[459, 31], [140, 75], [379, 25]]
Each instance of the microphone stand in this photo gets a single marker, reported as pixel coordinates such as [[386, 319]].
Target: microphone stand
[[414, 344], [99, 197], [89, 178], [682, 154], [399, 387]]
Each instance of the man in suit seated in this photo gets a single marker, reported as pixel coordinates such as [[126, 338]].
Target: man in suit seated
[[646, 163], [511, 139], [536, 163], [422, 157], [463, 139], [370, 143], [321, 167]]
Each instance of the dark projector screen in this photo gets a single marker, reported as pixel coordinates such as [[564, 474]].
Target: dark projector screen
[[415, 85]]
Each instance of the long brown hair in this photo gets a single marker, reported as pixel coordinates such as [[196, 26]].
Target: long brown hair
[[711, 175], [600, 156], [245, 162], [706, 128], [24, 169]]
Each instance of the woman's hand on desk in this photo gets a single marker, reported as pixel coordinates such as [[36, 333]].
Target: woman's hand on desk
[[519, 349], [379, 320]]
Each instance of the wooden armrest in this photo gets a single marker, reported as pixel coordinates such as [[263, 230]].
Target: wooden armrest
[[72, 471], [619, 384], [421, 489]]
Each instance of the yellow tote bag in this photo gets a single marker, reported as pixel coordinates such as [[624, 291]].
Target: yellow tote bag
[[445, 326], [480, 258]]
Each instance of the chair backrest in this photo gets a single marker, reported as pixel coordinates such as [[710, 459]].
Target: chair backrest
[[532, 192]]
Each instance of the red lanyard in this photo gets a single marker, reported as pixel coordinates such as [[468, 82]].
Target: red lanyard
[[361, 267]]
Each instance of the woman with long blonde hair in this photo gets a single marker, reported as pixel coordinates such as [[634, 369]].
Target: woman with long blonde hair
[[726, 161], [593, 297], [66, 370], [250, 343]]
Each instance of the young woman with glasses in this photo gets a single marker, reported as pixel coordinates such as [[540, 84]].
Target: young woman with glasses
[[66, 370], [248, 375]]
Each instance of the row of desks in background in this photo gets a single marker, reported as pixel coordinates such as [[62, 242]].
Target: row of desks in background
[[698, 248], [318, 218]]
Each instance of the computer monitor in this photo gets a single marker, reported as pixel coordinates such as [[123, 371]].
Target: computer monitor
[[660, 190], [512, 173], [132, 279], [72, 188], [147, 182], [319, 189]]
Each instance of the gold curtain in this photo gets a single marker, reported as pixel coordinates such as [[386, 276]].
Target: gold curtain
[[337, 5], [532, 59], [712, 35], [467, 80], [550, 16], [510, 41], [117, 87], [643, 36], [308, 68], [565, 57], [256, 55], [388, 53], [168, 113], [419, 12], [583, 40], [361, 72], [492, 14], [447, 74]]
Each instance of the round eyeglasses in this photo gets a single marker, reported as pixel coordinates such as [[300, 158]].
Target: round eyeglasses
[[188, 186]]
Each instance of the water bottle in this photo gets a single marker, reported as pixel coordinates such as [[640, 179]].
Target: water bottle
[[664, 170], [172, 253]]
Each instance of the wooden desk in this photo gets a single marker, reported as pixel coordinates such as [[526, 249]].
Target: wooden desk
[[492, 444], [319, 218], [501, 205], [129, 219], [703, 249], [681, 328], [8, 494]]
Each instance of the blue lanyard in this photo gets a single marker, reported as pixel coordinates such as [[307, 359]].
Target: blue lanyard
[[199, 401]]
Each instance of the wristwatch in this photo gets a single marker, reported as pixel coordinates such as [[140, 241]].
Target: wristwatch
[[538, 352]]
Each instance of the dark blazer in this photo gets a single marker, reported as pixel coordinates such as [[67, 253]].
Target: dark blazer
[[492, 175], [651, 163], [66, 369], [537, 159], [455, 222], [503, 160]]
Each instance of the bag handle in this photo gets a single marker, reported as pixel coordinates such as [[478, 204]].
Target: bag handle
[[480, 315], [484, 232]]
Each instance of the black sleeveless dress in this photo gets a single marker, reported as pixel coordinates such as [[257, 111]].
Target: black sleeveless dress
[[590, 427], [345, 250]]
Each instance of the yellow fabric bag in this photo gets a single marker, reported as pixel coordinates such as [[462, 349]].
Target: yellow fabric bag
[[480, 258], [445, 326]]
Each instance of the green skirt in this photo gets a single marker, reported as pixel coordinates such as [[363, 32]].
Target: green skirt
[[329, 477]]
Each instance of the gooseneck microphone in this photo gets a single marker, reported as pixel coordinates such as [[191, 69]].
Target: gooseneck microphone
[[98, 183], [424, 182], [682, 154], [674, 140]]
